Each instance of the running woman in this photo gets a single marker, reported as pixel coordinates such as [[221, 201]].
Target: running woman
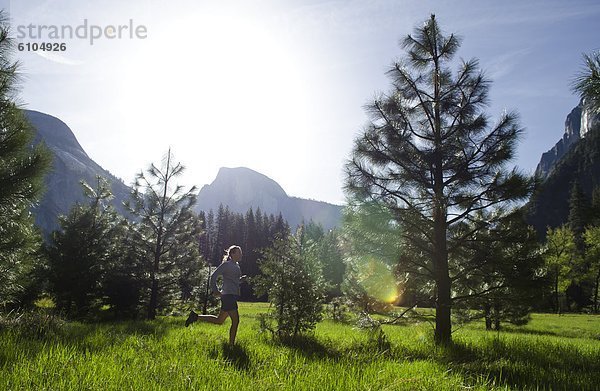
[[229, 293]]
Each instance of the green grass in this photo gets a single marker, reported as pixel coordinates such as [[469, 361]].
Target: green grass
[[551, 352]]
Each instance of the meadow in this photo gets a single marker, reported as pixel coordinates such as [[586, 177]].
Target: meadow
[[550, 353]]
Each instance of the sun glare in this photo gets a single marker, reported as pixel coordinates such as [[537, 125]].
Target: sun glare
[[215, 82], [378, 280]]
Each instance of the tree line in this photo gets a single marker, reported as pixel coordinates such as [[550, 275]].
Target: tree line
[[572, 253]]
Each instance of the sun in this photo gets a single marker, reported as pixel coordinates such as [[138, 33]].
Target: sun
[[217, 80]]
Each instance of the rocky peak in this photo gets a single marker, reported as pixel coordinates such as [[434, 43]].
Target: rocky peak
[[70, 165], [242, 188], [578, 123]]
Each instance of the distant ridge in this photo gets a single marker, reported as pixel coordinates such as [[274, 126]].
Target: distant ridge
[[70, 165], [241, 188], [576, 157], [238, 188]]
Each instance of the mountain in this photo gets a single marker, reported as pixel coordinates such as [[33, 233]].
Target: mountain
[[70, 165], [238, 188], [576, 157], [577, 125], [242, 188]]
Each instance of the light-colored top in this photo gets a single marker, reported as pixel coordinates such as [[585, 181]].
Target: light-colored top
[[231, 272]]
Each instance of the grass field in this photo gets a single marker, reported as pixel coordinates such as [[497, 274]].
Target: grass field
[[552, 352]]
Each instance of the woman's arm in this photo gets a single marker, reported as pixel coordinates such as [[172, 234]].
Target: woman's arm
[[213, 279]]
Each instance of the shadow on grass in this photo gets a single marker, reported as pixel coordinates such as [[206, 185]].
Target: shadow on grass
[[563, 334], [315, 348], [235, 355], [525, 364], [309, 346]]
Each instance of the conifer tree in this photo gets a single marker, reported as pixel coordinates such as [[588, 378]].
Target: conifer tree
[[22, 170], [81, 250], [124, 281], [500, 279], [587, 82], [292, 282], [431, 155], [167, 229]]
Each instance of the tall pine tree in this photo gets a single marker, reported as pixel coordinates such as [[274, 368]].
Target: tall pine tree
[[22, 171], [431, 155]]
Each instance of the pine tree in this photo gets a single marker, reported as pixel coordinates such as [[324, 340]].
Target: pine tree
[[587, 83], [22, 170], [280, 226], [124, 283], [168, 230], [80, 252], [431, 156], [293, 284], [500, 272]]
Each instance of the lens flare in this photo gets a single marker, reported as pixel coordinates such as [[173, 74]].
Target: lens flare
[[377, 280]]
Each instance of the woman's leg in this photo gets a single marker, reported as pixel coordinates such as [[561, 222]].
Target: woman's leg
[[214, 319], [235, 321]]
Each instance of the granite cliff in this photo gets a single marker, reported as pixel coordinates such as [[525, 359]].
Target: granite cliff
[[70, 166], [242, 188], [578, 123]]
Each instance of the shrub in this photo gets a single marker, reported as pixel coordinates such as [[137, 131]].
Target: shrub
[[293, 283]]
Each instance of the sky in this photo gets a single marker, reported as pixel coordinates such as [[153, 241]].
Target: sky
[[278, 86]]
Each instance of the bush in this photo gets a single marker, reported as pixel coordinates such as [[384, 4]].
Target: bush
[[293, 283]]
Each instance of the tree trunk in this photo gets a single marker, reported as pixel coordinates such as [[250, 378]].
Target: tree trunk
[[154, 280], [443, 325], [153, 303], [556, 292], [488, 316], [497, 316], [596, 292]]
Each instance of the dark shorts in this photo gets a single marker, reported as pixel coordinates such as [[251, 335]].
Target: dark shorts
[[229, 302]]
